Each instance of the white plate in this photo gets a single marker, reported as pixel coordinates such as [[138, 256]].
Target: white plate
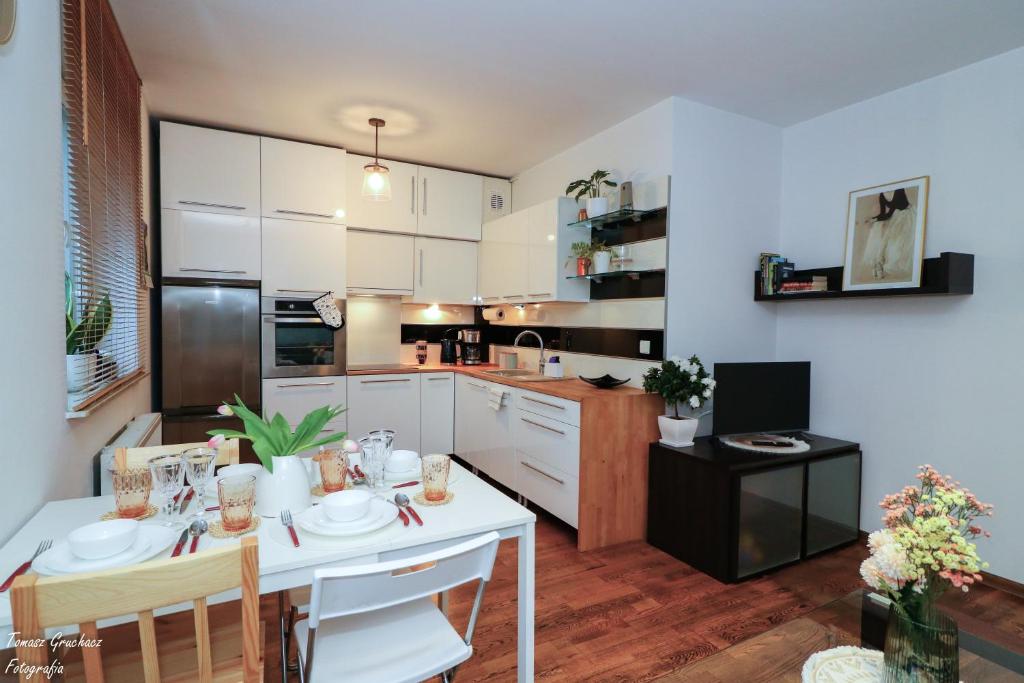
[[153, 538], [314, 520]]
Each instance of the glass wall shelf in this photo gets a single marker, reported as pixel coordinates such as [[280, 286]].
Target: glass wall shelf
[[614, 218], [631, 274]]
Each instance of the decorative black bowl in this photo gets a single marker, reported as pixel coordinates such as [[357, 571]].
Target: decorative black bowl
[[605, 382]]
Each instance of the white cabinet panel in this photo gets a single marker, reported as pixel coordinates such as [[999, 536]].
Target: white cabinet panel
[[209, 170], [209, 245], [552, 490], [437, 412], [449, 204], [542, 265], [386, 402], [303, 258], [295, 398], [491, 262], [445, 271], [483, 436], [554, 407], [302, 181], [554, 443], [399, 214], [513, 241], [380, 263]]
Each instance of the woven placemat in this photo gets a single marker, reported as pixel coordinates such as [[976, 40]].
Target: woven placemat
[[318, 490], [217, 529], [113, 514], [419, 498]]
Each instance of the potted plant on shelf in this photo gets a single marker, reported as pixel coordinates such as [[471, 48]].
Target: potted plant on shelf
[[581, 251], [284, 483], [83, 336], [591, 189], [601, 257], [677, 382], [925, 547]]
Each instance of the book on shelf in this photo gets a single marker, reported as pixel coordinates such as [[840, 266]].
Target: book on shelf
[[779, 276]]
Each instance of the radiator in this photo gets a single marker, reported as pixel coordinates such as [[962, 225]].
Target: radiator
[[144, 430]]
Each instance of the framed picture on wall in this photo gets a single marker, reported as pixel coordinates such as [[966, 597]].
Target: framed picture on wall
[[885, 235]]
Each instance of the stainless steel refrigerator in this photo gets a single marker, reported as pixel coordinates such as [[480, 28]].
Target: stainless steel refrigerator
[[210, 351]]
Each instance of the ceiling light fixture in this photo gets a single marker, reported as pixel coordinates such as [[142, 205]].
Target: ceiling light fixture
[[376, 176]]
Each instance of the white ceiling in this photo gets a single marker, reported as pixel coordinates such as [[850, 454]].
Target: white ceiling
[[496, 87]]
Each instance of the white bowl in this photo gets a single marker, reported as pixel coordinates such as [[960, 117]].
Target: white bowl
[[402, 461], [347, 506], [103, 539], [243, 468]]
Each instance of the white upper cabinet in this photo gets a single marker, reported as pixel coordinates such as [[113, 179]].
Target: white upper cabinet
[[449, 204], [445, 271], [379, 263], [302, 181], [200, 244], [399, 214], [503, 262], [492, 264], [303, 259], [209, 170], [550, 259]]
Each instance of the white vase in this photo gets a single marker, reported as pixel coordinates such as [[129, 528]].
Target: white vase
[[286, 488], [602, 261], [597, 206], [677, 431], [81, 369]]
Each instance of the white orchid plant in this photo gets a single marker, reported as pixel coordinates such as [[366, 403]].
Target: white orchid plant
[[678, 381]]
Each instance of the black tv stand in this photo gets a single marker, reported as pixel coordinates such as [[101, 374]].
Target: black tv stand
[[735, 514]]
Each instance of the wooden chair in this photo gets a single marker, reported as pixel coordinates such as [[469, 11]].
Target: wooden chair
[[38, 603], [133, 458]]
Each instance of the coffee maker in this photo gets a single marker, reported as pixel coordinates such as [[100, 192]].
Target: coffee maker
[[472, 349]]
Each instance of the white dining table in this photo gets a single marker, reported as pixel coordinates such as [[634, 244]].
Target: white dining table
[[476, 508]]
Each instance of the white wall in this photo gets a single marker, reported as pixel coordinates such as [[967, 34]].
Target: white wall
[[45, 456], [921, 380]]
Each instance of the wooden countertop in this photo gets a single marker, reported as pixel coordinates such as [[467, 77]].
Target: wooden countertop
[[569, 389]]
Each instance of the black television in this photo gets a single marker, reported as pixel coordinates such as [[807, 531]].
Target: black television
[[753, 398]]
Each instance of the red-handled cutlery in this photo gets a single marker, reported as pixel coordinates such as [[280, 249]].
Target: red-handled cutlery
[[359, 472], [403, 485], [43, 547], [197, 529], [286, 519], [402, 501], [181, 543]]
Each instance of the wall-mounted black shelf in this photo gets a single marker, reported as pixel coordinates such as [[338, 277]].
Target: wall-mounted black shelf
[[616, 219], [950, 273], [599, 277]]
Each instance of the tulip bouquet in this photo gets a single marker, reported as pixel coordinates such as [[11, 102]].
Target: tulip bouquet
[[275, 438]]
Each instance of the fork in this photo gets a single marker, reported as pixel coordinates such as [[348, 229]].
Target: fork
[[43, 547], [286, 519]]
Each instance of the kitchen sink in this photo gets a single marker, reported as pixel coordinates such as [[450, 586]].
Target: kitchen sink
[[523, 375]]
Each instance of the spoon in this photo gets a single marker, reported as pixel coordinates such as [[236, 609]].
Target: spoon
[[197, 528], [402, 501]]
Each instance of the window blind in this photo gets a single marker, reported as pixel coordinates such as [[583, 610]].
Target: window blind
[[106, 297]]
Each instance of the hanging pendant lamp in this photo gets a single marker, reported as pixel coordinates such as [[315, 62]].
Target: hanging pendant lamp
[[376, 176]]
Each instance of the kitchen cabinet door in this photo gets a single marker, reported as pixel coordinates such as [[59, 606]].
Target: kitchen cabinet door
[[514, 240], [296, 397], [483, 436], [437, 412], [542, 261], [303, 259], [198, 244], [302, 181], [449, 203], [202, 169], [491, 266], [399, 214], [445, 271], [380, 263], [385, 402]]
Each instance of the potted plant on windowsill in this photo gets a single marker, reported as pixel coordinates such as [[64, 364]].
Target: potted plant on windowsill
[[679, 382], [83, 336], [591, 189], [284, 483]]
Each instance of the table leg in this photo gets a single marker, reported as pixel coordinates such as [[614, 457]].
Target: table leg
[[442, 602], [284, 654], [524, 662]]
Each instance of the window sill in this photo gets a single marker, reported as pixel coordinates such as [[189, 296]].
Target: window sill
[[87, 408]]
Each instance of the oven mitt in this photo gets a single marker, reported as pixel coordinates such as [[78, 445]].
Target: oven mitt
[[329, 311]]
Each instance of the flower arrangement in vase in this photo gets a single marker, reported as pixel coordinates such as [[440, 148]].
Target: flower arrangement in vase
[[925, 548], [679, 382]]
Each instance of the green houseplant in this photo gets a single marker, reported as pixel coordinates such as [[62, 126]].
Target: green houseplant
[[591, 189], [581, 251], [83, 335], [602, 257], [679, 382]]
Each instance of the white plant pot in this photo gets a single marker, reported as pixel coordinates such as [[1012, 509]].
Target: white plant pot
[[602, 261], [677, 432], [597, 206], [81, 369], [286, 488]]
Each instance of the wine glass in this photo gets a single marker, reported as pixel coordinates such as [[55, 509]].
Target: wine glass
[[169, 478], [199, 465], [374, 453]]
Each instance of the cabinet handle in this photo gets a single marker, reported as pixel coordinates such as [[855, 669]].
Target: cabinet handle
[[514, 296], [538, 424], [301, 291], [474, 384], [412, 195], [424, 196], [233, 207], [421, 267], [544, 403], [541, 294], [383, 381], [304, 213], [210, 270], [306, 384], [540, 471], [438, 379]]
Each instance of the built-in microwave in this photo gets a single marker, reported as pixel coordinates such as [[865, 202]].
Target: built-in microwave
[[296, 342]]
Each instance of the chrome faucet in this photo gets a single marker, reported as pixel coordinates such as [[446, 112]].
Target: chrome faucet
[[540, 340]]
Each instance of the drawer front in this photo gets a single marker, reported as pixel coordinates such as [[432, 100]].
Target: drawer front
[[549, 406], [386, 402], [552, 442], [554, 491], [295, 398]]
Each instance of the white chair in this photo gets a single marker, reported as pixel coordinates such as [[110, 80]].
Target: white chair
[[377, 623]]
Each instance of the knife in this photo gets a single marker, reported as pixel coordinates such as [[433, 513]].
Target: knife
[[186, 501], [180, 544], [408, 508]]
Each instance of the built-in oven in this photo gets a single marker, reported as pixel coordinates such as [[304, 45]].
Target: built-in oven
[[297, 343]]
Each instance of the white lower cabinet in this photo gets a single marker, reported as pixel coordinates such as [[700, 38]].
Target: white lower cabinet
[[483, 436], [296, 398], [548, 463], [437, 412], [386, 402], [557, 493]]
